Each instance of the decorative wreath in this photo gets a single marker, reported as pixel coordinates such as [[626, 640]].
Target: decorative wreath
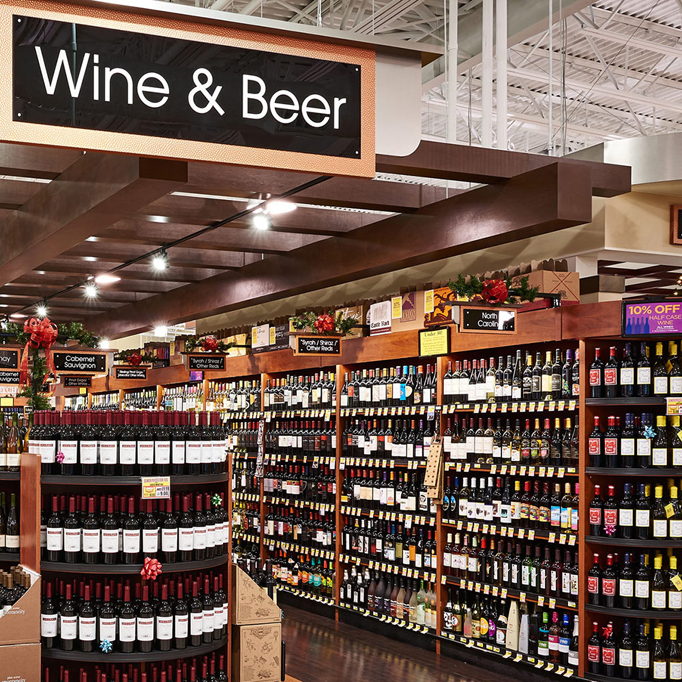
[[206, 344], [493, 291]]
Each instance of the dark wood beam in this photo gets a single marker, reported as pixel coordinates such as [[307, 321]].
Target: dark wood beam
[[480, 164], [78, 202], [536, 202], [35, 162], [50, 283], [142, 272]]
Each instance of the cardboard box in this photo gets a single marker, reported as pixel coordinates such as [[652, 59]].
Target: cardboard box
[[252, 603], [20, 663], [359, 312], [550, 282], [21, 624], [258, 650]]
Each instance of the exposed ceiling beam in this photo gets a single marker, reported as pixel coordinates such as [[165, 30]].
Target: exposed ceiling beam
[[543, 200], [35, 162], [94, 189]]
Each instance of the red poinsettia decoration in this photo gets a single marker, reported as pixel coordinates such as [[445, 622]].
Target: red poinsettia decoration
[[495, 291], [324, 324], [135, 359], [209, 344]]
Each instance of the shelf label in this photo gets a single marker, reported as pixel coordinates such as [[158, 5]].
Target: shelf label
[[156, 487]]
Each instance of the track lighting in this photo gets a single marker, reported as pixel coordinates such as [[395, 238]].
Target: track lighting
[[106, 278], [260, 221], [41, 309], [159, 261], [90, 290]]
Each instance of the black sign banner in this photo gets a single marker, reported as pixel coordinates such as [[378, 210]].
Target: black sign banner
[[80, 362], [89, 77], [207, 362], [488, 320], [318, 345], [11, 378], [131, 373], [76, 381], [9, 359]]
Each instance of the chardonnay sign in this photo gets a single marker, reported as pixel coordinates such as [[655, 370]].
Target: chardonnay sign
[[75, 75]]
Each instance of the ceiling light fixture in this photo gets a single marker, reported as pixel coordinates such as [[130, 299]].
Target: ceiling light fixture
[[279, 206], [260, 221], [90, 290], [90, 259], [106, 278], [161, 330], [104, 344], [18, 316], [159, 261], [41, 309]]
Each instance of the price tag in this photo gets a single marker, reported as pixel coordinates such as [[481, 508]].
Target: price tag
[[552, 602], [156, 487]]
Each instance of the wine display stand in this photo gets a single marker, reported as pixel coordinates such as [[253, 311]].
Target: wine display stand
[[652, 614], [131, 569], [137, 657], [111, 481]]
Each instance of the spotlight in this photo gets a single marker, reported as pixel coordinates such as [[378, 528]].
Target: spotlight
[[279, 206], [18, 316], [159, 261], [90, 290], [106, 278], [104, 344], [41, 310], [161, 330], [260, 221]]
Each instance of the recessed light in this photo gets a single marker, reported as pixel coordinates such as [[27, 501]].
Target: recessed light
[[106, 278], [90, 259]]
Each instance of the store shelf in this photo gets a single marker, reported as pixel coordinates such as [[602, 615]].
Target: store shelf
[[299, 549], [508, 530], [198, 479], [622, 542], [626, 402], [634, 472], [128, 569], [137, 657], [9, 556], [398, 411], [365, 613], [327, 601], [310, 413], [420, 518], [382, 463], [537, 662], [514, 407], [10, 475], [269, 498], [635, 613], [606, 678], [376, 564], [512, 469]]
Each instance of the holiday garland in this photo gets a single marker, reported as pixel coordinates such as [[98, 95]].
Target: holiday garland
[[206, 344], [493, 291], [134, 357], [325, 323]]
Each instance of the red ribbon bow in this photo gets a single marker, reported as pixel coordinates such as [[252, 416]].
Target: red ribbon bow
[[43, 334], [324, 324], [135, 359], [209, 343], [151, 568]]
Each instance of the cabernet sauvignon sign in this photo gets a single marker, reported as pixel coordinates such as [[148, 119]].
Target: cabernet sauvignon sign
[[81, 76], [11, 378], [79, 362]]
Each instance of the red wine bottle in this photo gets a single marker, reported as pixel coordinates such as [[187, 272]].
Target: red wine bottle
[[68, 621], [208, 612], [196, 616], [145, 623], [186, 531], [178, 445], [150, 530], [87, 623], [169, 535], [54, 533], [91, 535], [127, 623], [87, 446], [164, 621], [106, 619], [72, 534], [199, 529], [110, 535], [49, 619], [108, 445], [162, 446], [180, 618], [145, 446], [131, 535], [127, 446]]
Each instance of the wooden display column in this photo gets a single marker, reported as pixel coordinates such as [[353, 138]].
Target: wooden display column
[[341, 371], [29, 504]]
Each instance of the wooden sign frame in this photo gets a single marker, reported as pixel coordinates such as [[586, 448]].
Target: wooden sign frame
[[66, 351]]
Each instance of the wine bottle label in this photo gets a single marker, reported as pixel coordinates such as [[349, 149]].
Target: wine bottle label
[[661, 385], [595, 377], [91, 540], [626, 587], [178, 452], [676, 385], [659, 457], [595, 516], [11, 541], [659, 599], [660, 670], [196, 623], [87, 628], [627, 376], [193, 452], [69, 448], [110, 540], [610, 446], [642, 589], [48, 624], [200, 537], [226, 612], [88, 452], [55, 539], [642, 518], [150, 541], [626, 517], [164, 627], [644, 447], [660, 528], [186, 539], [206, 456], [594, 446], [131, 541], [145, 452], [68, 627], [181, 625], [209, 616], [210, 536], [72, 539], [126, 629], [593, 653], [48, 451], [564, 644], [644, 376], [608, 655], [677, 457], [675, 528], [128, 452], [107, 629], [218, 617], [675, 670], [162, 452], [625, 658], [145, 629], [674, 599], [12, 459], [108, 452], [610, 517]]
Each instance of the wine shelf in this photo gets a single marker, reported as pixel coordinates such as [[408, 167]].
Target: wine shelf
[[626, 402], [376, 565], [512, 469], [421, 518], [386, 619], [9, 475], [557, 535], [137, 657], [635, 613], [622, 542], [404, 411], [198, 479], [305, 595], [606, 678], [515, 407], [130, 569], [634, 472], [512, 593], [9, 556]]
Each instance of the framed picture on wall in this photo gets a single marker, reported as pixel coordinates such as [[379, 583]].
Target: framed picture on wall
[[676, 224]]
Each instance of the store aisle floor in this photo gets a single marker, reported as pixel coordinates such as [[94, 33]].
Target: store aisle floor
[[320, 650]]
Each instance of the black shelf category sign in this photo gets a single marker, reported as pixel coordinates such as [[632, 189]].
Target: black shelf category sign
[[79, 362], [77, 381], [9, 378], [318, 345], [9, 358], [480, 319], [651, 318], [204, 361], [119, 81], [131, 373]]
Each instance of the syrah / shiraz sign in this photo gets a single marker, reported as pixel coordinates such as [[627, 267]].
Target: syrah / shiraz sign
[[79, 363], [317, 345], [206, 362], [225, 99]]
